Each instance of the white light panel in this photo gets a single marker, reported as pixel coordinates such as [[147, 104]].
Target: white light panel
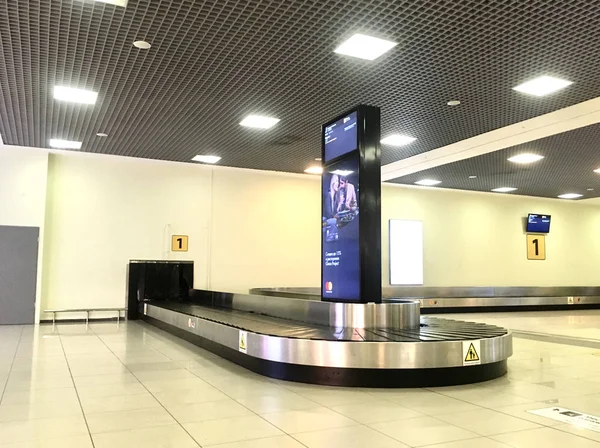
[[365, 47], [570, 196], [406, 252], [525, 158], [64, 144], [122, 3], [504, 189], [71, 95], [206, 159], [543, 85], [314, 170], [259, 121], [342, 172], [428, 182], [397, 140]]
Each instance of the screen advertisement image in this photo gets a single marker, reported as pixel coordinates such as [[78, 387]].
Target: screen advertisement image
[[341, 137], [340, 239], [538, 223]]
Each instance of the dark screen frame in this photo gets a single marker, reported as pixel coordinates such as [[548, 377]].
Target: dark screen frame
[[537, 214]]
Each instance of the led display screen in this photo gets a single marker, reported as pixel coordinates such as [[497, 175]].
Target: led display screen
[[341, 137], [340, 227], [538, 223]]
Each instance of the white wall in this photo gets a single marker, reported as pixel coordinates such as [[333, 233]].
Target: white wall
[[250, 229], [23, 176]]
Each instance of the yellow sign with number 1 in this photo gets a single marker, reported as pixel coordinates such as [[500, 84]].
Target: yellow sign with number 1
[[179, 243], [536, 247]]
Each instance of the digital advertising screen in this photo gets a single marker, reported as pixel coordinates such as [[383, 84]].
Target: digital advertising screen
[[341, 241], [538, 223], [341, 137]]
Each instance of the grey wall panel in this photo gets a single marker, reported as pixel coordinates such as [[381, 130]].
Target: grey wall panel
[[18, 274]]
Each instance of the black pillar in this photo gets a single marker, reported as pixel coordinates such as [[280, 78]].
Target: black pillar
[[351, 207]]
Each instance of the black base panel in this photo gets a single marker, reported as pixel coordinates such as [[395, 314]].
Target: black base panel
[[332, 376], [503, 309]]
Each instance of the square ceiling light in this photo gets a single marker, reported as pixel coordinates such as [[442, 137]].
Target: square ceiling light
[[71, 95], [365, 47], [314, 170], [397, 140], [259, 121], [525, 158], [543, 85], [64, 144], [206, 159], [428, 182], [122, 3], [504, 189], [570, 196]]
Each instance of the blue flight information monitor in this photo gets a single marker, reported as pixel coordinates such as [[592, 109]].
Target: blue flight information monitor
[[538, 223], [340, 227], [341, 137]]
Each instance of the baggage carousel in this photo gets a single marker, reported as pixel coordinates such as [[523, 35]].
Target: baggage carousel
[[436, 300], [369, 345]]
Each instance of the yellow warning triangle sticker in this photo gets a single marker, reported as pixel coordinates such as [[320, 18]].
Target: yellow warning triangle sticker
[[242, 342], [471, 354]]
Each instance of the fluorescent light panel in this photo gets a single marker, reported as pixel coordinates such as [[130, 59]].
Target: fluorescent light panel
[[525, 158], [397, 140], [314, 170], [64, 144], [543, 85], [570, 196], [504, 189], [342, 172], [428, 182], [122, 3], [365, 47], [597, 170], [206, 159], [80, 96], [259, 121]]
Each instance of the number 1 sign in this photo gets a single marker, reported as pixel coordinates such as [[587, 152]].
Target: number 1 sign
[[536, 247], [179, 243]]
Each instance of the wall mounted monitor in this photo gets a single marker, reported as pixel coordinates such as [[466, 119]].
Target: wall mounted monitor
[[340, 137], [341, 231], [537, 223]]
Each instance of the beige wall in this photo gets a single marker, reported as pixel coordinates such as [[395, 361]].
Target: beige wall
[[250, 228], [478, 239]]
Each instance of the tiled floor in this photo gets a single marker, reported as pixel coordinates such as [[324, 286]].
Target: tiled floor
[[128, 385]]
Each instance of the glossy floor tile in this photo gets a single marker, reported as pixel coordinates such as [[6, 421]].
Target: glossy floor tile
[[108, 385]]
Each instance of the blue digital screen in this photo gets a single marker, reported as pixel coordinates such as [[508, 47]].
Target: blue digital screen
[[341, 245], [341, 137], [538, 223]]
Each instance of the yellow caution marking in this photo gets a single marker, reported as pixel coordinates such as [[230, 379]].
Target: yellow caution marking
[[471, 354]]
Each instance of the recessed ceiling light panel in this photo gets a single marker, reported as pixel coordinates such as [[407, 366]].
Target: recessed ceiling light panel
[[64, 144], [570, 196], [597, 170], [259, 121], [472, 177], [101, 134], [428, 182], [142, 44], [453, 103], [365, 47], [314, 170], [206, 159], [397, 140], [543, 85], [525, 158], [80, 96], [504, 189], [342, 172], [122, 3]]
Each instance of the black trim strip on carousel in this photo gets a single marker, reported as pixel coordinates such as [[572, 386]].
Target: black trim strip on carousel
[[331, 376]]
